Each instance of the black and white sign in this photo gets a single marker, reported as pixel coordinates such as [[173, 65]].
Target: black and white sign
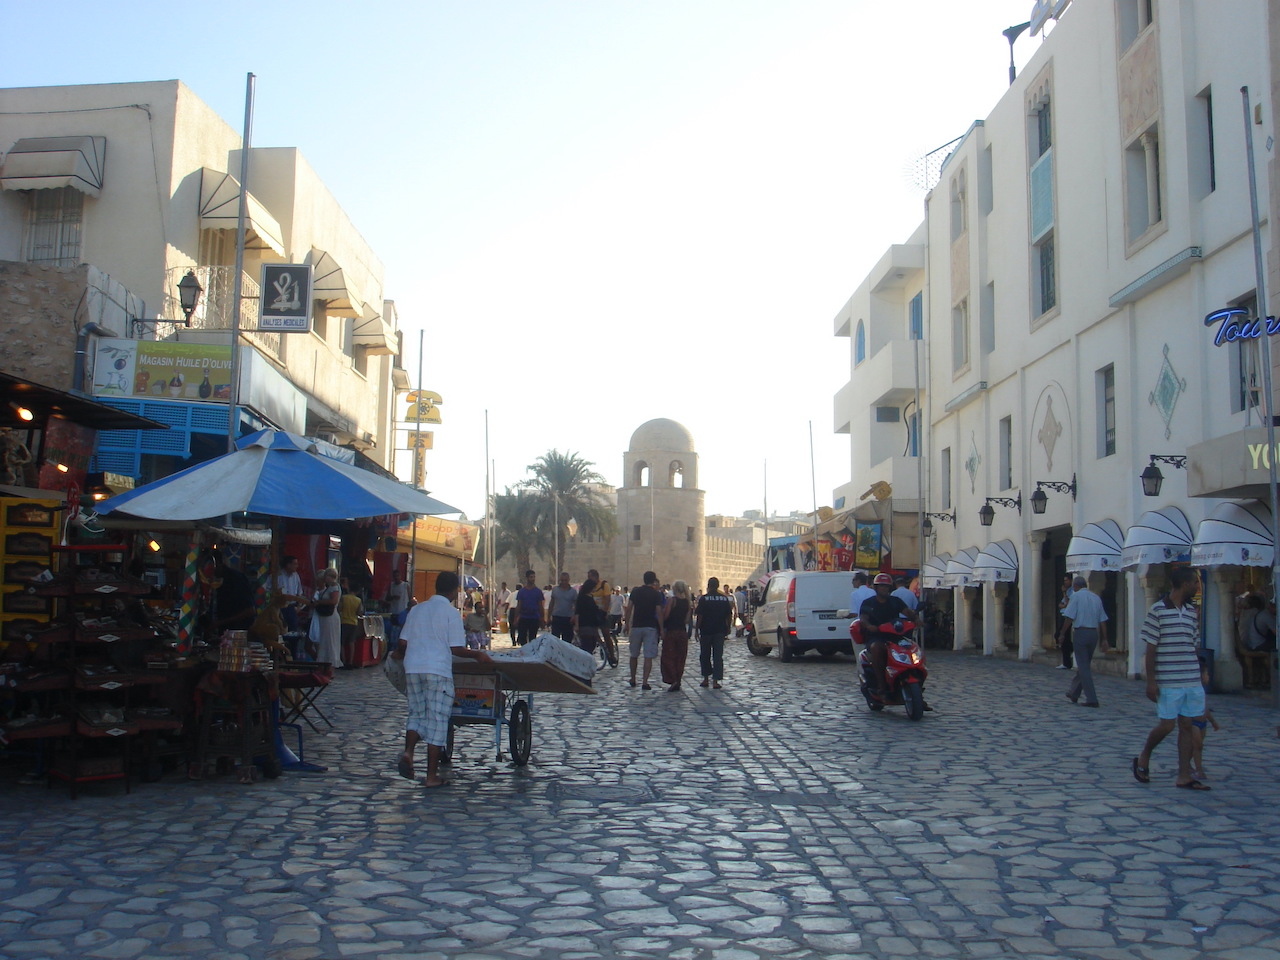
[[286, 298]]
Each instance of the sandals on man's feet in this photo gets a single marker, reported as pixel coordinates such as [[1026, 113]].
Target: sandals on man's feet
[[1141, 774]]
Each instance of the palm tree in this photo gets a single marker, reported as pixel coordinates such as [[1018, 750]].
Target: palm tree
[[563, 486], [516, 529]]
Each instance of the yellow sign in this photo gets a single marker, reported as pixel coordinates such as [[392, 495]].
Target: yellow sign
[[422, 407], [162, 369], [421, 441]]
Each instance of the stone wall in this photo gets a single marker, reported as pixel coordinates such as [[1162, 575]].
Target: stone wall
[[732, 561], [43, 307]]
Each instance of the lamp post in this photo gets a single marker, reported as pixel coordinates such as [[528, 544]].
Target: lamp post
[[927, 526], [1152, 478], [1040, 499], [189, 291], [987, 513]]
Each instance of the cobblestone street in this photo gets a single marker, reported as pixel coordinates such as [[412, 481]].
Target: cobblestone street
[[777, 817]]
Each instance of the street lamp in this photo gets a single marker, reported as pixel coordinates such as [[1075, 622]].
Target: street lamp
[[1152, 478], [987, 514], [189, 291], [1040, 500], [927, 527]]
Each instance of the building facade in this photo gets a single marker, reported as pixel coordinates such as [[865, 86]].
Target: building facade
[[140, 181], [1072, 248]]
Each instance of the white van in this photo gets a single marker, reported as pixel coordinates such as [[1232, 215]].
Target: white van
[[800, 611]]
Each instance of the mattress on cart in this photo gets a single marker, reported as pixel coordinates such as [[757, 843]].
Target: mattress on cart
[[544, 665]]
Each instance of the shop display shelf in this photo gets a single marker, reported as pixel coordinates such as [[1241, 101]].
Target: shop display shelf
[[35, 729]]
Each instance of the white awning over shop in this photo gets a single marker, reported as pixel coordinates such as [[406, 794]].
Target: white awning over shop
[[1159, 536], [1238, 534], [934, 571], [373, 334], [329, 282], [960, 568], [220, 210], [997, 563], [1096, 547], [46, 163]]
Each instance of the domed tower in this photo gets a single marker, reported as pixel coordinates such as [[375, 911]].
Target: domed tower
[[660, 508]]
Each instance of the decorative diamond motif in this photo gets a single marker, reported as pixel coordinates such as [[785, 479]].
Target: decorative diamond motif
[[1050, 431], [1169, 387], [971, 465]]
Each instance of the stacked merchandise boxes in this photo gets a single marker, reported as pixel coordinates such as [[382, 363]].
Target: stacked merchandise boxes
[[28, 533]]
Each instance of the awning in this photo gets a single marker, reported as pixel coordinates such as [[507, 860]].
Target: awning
[[1234, 533], [960, 568], [934, 570], [373, 334], [220, 210], [997, 563], [1159, 536], [47, 402], [1096, 547], [329, 282], [45, 163]]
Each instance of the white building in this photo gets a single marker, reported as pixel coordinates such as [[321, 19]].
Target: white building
[[1076, 241], [139, 180]]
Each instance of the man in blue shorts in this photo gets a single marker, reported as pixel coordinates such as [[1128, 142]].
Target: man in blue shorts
[[1171, 632]]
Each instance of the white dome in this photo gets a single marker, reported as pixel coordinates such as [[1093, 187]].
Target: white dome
[[666, 435]]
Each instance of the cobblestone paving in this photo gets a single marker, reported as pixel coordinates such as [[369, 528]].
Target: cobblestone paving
[[776, 818]]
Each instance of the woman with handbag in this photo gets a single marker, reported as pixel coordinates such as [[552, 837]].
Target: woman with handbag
[[326, 629]]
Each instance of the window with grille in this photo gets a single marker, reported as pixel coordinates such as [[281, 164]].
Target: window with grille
[[1106, 384], [53, 226]]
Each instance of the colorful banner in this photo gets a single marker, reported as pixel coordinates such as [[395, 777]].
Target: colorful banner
[[162, 370], [867, 550], [825, 559]]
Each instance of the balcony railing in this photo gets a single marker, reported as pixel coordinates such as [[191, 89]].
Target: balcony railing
[[214, 311]]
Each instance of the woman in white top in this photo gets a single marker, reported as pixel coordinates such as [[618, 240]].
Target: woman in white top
[[326, 629]]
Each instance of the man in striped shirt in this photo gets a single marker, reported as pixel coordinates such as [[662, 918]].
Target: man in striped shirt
[[1171, 632]]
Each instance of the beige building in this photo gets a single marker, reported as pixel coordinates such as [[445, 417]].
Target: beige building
[[109, 195], [661, 523]]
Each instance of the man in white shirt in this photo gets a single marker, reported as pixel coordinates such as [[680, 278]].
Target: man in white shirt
[[1087, 621], [289, 587], [431, 638], [903, 593], [862, 592]]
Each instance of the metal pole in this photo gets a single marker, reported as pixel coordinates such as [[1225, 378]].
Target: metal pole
[[767, 564], [1267, 399], [233, 401], [488, 520], [417, 471], [813, 489], [919, 452]]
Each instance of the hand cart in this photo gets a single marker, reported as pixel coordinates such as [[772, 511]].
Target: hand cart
[[501, 694]]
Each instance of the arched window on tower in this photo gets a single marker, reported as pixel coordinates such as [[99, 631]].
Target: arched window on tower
[[676, 477], [640, 475]]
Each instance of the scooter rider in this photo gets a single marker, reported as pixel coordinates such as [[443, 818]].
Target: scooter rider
[[881, 610]]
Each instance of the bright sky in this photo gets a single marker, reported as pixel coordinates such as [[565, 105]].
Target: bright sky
[[600, 212]]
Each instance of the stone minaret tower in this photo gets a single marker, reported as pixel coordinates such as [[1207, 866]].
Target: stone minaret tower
[[661, 510]]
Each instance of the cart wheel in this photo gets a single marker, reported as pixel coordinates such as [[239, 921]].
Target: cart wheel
[[521, 732], [446, 754]]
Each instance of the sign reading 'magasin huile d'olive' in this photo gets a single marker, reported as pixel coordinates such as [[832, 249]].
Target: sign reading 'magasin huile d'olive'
[[1235, 323]]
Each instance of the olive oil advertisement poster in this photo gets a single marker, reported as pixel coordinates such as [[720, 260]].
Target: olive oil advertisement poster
[[162, 370]]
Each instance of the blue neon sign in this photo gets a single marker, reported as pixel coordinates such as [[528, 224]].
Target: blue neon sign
[[1237, 325]]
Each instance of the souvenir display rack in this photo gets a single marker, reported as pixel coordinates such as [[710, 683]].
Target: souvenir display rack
[[91, 686]]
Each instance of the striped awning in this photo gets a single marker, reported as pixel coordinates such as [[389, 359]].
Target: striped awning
[[997, 563], [46, 163], [220, 210], [1236, 534], [1096, 547], [934, 571], [1159, 536], [960, 568]]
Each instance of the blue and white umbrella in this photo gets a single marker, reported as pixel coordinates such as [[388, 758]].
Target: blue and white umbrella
[[277, 474]]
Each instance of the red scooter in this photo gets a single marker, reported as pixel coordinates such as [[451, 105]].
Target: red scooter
[[904, 669]]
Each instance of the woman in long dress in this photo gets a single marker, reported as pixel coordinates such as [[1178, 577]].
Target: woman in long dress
[[326, 627], [675, 635]]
